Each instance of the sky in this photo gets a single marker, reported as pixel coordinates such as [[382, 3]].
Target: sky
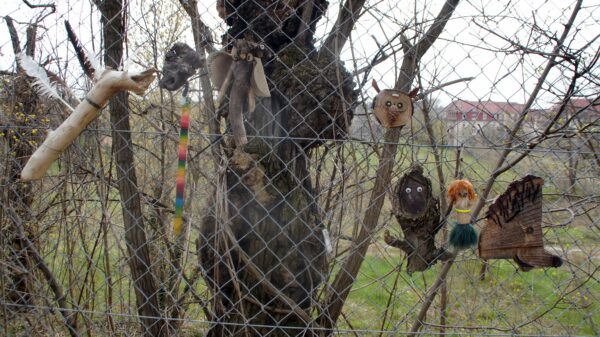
[[469, 46]]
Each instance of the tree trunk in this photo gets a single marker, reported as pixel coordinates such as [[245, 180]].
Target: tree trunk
[[265, 259], [273, 220], [140, 264]]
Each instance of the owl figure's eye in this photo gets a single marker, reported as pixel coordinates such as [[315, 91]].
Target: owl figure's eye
[[399, 105], [419, 189], [388, 104], [408, 190]]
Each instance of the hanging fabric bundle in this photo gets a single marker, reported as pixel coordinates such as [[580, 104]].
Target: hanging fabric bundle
[[182, 160], [461, 196]]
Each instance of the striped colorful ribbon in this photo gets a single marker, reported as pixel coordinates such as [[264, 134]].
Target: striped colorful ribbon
[[182, 159]]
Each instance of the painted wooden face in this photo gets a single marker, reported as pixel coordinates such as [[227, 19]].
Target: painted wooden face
[[393, 108], [414, 194]]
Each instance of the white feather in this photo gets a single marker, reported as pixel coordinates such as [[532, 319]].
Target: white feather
[[95, 62], [42, 83]]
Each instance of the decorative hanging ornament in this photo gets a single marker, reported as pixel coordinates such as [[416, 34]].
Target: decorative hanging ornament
[[181, 162], [393, 108], [513, 228], [461, 195], [241, 76], [417, 211]]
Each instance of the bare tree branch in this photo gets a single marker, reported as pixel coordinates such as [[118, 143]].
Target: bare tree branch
[[347, 17], [436, 28], [349, 267], [66, 312], [140, 261], [438, 87], [202, 35], [30, 5], [430, 297], [14, 37], [549, 65], [551, 62]]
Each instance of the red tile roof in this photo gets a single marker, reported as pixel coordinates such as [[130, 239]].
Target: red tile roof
[[581, 103], [471, 109]]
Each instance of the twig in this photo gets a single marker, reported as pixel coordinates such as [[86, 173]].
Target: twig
[[440, 173], [430, 296], [433, 290], [344, 279], [30, 5], [150, 200], [66, 312], [549, 65], [564, 223], [379, 57], [349, 324], [347, 17], [462, 327], [389, 302], [436, 88]]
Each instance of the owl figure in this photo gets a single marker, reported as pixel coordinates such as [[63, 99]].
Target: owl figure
[[393, 108]]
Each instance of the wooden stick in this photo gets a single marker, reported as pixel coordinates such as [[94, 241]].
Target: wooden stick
[[110, 82]]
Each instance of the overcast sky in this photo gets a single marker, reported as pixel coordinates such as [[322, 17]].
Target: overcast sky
[[463, 50]]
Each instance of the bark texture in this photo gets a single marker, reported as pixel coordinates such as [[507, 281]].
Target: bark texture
[[140, 264], [266, 258]]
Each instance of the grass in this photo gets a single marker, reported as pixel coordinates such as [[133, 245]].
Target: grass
[[505, 299], [565, 300]]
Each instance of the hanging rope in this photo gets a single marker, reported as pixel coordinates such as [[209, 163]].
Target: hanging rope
[[182, 159]]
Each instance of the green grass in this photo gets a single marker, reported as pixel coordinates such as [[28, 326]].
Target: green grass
[[506, 298], [565, 298]]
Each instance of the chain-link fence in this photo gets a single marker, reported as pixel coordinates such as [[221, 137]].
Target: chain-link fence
[[302, 215]]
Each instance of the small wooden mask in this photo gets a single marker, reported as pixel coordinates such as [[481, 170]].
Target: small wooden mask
[[414, 194], [513, 227], [418, 214], [393, 108]]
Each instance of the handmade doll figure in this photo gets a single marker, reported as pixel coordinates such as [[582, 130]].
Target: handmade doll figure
[[461, 196]]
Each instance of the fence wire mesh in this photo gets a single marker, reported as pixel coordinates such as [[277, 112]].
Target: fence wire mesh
[[303, 215]]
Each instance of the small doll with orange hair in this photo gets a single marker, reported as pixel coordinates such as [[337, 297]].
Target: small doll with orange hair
[[462, 197]]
